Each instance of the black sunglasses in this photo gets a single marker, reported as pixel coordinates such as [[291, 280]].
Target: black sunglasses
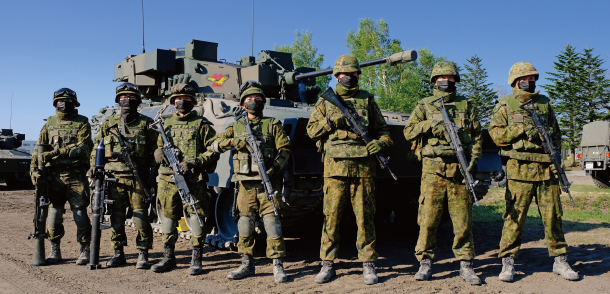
[[63, 91], [247, 85], [127, 87]]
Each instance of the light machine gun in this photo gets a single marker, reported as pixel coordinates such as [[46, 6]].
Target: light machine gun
[[352, 119], [171, 154], [454, 140], [257, 155], [41, 208], [549, 148]]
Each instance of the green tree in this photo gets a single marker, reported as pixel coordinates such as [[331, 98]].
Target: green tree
[[474, 85], [595, 84], [305, 54], [564, 90]]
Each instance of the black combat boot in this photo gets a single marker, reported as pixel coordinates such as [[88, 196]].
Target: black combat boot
[[83, 258], [245, 269], [117, 259], [326, 273], [55, 254], [279, 275], [369, 274], [143, 260], [195, 268], [467, 272], [425, 270], [562, 267], [508, 269], [168, 262]]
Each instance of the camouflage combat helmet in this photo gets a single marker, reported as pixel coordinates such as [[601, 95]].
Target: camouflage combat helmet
[[445, 68], [127, 88], [65, 93], [182, 90], [249, 88], [521, 69], [346, 63]]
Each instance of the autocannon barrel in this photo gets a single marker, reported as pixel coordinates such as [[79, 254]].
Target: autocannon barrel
[[396, 58]]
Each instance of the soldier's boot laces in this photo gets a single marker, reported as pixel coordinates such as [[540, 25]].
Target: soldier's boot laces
[[55, 254], [245, 269], [562, 267], [508, 269], [326, 273], [195, 268], [117, 259], [168, 262], [369, 274], [467, 272], [83, 258], [143, 260], [425, 270], [278, 271]]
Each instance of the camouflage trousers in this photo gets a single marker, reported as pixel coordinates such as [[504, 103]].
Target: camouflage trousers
[[435, 190], [171, 207], [127, 192], [71, 185], [252, 202], [338, 191], [519, 195]]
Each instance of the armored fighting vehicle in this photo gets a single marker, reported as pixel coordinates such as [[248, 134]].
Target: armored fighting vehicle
[[595, 152], [290, 97], [14, 163]]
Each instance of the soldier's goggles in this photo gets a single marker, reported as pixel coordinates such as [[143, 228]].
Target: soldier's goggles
[[64, 92], [248, 84], [127, 87]]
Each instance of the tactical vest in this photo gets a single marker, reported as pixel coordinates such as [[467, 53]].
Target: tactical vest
[[343, 143], [184, 135], [523, 149], [63, 133], [244, 166], [459, 113], [136, 139]]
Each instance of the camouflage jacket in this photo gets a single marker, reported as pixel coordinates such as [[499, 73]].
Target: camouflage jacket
[[528, 162], [275, 146], [344, 153], [192, 135], [140, 138], [439, 157], [70, 133]]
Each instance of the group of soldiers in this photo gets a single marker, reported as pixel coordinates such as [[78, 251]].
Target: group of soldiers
[[349, 173]]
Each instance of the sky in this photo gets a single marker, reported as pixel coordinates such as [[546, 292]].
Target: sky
[[46, 45]]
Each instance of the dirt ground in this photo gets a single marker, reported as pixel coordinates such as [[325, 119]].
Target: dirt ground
[[589, 256]]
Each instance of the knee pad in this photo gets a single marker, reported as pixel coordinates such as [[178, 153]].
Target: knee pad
[[140, 219], [273, 226], [196, 229], [169, 226], [54, 218], [81, 218], [245, 225]]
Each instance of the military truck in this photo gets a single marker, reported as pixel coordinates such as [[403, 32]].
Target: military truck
[[14, 163], [595, 152], [290, 97]]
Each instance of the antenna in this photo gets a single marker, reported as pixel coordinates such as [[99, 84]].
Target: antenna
[[143, 50], [11, 121], [252, 27]]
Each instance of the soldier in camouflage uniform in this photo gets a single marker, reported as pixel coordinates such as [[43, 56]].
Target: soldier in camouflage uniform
[[126, 191], [442, 179], [191, 134], [529, 171], [69, 134], [252, 202], [349, 167]]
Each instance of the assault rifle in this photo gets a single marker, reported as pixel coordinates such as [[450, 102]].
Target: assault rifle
[[100, 200], [171, 154], [257, 155], [549, 148], [127, 157], [41, 208], [454, 140], [352, 119]]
